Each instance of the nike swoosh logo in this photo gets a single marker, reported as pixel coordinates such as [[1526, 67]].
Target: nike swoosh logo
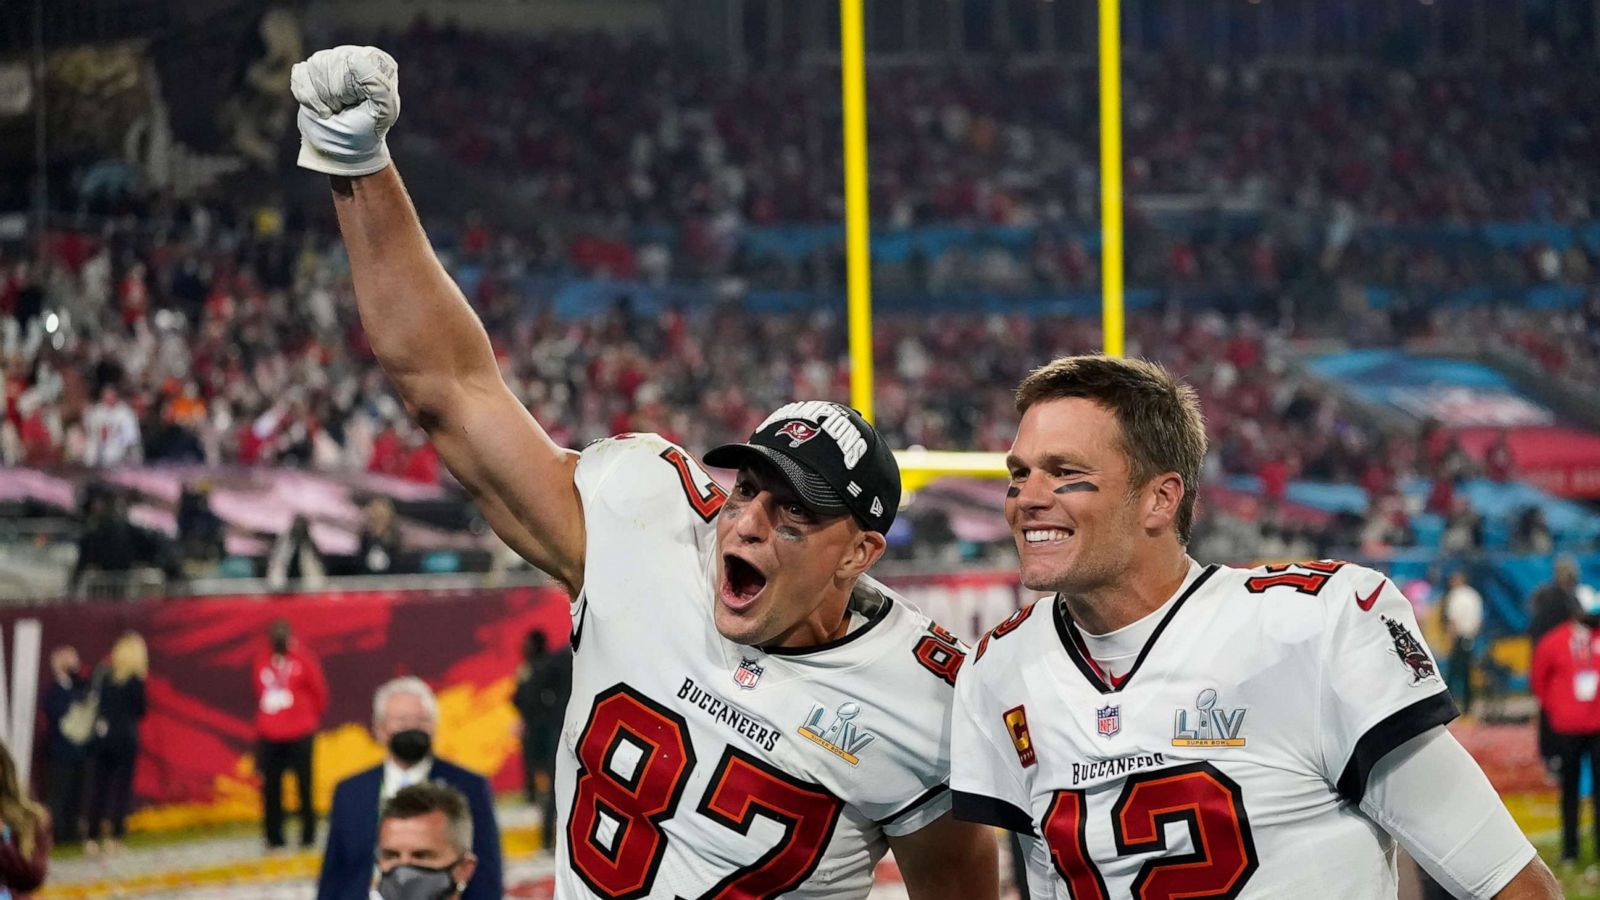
[[1366, 602], [577, 628]]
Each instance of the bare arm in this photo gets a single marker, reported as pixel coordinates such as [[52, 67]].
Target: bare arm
[[434, 349], [1534, 882], [949, 860]]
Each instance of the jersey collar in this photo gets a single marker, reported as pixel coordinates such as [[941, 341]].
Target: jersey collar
[[1080, 654]]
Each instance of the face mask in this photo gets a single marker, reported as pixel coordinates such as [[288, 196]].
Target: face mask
[[418, 883], [411, 745], [280, 645]]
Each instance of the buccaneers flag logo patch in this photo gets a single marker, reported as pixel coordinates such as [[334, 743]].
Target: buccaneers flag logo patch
[[1409, 649]]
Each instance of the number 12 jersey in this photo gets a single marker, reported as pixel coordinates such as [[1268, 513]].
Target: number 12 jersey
[[1228, 761]]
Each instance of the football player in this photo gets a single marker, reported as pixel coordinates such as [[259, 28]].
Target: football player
[[751, 715], [1160, 728]]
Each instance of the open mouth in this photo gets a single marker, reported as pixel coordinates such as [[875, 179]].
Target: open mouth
[[741, 583]]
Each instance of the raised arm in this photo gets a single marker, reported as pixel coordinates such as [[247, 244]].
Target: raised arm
[[425, 335]]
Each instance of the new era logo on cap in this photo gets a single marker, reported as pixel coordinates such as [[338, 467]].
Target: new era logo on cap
[[852, 470]]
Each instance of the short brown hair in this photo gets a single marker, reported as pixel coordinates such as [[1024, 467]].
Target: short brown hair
[[1162, 428], [433, 796]]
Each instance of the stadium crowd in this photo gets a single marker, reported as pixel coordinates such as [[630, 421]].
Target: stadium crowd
[[221, 345], [648, 144], [223, 331]]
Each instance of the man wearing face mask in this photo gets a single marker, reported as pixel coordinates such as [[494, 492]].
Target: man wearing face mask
[[405, 715], [425, 844]]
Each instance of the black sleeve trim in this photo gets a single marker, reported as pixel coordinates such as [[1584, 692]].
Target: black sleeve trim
[[1380, 739], [926, 797], [990, 811]]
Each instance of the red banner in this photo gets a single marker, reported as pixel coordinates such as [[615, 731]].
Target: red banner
[[195, 764], [196, 761]]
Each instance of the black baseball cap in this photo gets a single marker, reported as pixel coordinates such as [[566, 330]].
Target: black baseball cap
[[836, 462]]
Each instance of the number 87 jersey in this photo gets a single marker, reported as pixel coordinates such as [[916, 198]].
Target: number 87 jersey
[[694, 767], [1230, 758]]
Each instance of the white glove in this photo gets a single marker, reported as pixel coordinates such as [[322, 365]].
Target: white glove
[[349, 97]]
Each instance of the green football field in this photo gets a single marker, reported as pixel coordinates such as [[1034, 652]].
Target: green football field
[[1539, 815]]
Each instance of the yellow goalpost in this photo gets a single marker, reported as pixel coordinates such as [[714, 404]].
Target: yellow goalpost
[[919, 467]]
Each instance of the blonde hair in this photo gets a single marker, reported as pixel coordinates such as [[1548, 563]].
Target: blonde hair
[[24, 816], [129, 657]]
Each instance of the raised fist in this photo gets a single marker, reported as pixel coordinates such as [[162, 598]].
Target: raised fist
[[349, 97]]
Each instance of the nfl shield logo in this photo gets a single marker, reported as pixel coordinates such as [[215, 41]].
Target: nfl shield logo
[[747, 674], [1108, 720]]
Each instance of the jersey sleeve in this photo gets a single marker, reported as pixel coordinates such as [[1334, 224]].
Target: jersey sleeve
[[986, 779], [1379, 683], [643, 496], [914, 674]]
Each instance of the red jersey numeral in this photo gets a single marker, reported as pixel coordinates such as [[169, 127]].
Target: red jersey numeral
[[940, 653], [1011, 624], [705, 495], [1066, 834], [744, 786], [1209, 802], [622, 798], [1305, 577], [614, 830]]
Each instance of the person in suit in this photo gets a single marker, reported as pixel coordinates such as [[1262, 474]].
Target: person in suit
[[405, 715], [66, 757], [115, 745], [425, 844]]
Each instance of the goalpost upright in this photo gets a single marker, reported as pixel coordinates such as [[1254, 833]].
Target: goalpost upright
[[919, 467]]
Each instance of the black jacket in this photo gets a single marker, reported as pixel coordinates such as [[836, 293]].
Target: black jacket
[[1548, 607], [121, 707], [58, 698]]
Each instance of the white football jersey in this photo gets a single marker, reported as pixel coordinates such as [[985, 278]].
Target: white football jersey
[[1227, 762], [691, 766]]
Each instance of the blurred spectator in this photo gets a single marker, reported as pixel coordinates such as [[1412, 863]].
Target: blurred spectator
[[1554, 602], [1463, 530], [1565, 676], [111, 431], [295, 558], [1387, 526], [544, 683], [65, 754], [291, 696], [1498, 464], [25, 844], [405, 715], [379, 550], [425, 843], [120, 682], [1463, 622], [201, 532], [1550, 606], [111, 543], [1531, 534]]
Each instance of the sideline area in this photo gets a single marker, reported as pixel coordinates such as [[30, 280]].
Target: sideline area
[[233, 865]]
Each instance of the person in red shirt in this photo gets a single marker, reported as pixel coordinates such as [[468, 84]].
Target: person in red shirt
[[1566, 680], [291, 696]]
